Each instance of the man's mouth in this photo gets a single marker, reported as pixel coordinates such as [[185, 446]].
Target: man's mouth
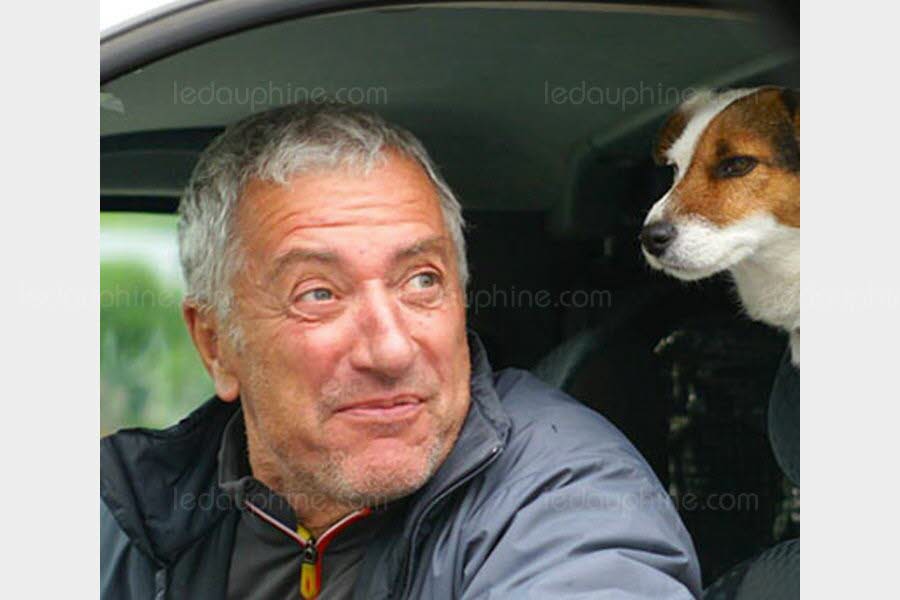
[[392, 408]]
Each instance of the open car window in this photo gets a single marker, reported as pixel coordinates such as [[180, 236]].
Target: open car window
[[541, 117], [150, 374]]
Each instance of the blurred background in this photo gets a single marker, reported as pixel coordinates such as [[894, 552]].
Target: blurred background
[[150, 374]]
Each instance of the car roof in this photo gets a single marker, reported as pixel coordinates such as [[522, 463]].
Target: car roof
[[508, 97]]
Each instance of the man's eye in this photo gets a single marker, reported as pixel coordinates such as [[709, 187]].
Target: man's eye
[[736, 166], [425, 280], [424, 288], [316, 295]]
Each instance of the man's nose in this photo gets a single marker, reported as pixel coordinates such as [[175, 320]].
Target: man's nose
[[383, 345], [658, 236]]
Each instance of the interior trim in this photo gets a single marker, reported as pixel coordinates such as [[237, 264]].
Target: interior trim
[[180, 26]]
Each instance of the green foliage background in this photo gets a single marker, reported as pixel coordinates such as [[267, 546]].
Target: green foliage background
[[150, 374]]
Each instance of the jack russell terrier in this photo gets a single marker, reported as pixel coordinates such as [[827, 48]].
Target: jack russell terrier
[[735, 202]]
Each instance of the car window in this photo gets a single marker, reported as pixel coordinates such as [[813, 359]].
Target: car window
[[150, 375], [541, 118]]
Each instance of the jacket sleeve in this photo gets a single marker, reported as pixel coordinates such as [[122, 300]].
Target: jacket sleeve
[[596, 527], [125, 571]]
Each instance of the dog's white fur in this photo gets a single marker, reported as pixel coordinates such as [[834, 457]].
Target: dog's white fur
[[762, 255]]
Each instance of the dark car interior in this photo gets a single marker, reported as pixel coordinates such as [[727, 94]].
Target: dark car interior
[[555, 186]]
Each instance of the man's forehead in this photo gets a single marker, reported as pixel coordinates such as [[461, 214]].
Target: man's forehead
[[440, 245], [312, 206], [321, 196]]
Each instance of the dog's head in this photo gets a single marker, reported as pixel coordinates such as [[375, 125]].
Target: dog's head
[[736, 156]]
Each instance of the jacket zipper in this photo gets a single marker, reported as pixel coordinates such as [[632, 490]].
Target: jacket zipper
[[313, 549]]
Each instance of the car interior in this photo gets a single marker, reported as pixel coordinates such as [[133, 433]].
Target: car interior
[[541, 116]]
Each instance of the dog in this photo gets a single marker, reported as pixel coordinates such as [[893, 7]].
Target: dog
[[734, 204]]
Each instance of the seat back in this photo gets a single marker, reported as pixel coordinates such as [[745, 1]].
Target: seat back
[[775, 573]]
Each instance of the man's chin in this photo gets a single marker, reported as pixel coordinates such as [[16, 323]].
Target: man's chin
[[389, 469]]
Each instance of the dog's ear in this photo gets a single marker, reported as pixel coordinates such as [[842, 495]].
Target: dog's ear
[[791, 101], [668, 133], [787, 138]]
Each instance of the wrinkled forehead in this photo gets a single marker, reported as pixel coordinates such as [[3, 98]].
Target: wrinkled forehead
[[396, 196]]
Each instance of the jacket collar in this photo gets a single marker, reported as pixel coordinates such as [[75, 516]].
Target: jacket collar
[[237, 481], [483, 434], [482, 437], [162, 486]]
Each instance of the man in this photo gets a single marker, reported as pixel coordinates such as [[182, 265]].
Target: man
[[359, 445]]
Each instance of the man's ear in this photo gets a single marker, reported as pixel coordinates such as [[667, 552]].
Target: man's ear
[[206, 333]]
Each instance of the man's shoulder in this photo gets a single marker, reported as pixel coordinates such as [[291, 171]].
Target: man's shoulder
[[556, 444], [548, 422], [153, 480], [163, 447], [569, 488]]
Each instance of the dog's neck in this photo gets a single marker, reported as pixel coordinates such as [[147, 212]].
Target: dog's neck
[[768, 281]]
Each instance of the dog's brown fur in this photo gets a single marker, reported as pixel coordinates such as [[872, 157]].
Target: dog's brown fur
[[765, 126]]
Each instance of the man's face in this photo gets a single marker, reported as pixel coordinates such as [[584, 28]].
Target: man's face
[[354, 367]]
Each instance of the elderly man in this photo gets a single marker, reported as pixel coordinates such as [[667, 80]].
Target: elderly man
[[359, 445]]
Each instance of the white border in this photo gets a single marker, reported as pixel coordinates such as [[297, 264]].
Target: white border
[[850, 301], [50, 301]]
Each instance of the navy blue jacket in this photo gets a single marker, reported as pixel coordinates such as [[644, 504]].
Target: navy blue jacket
[[540, 498]]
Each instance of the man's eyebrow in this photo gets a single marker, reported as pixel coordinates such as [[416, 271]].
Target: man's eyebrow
[[300, 255], [327, 257], [431, 244]]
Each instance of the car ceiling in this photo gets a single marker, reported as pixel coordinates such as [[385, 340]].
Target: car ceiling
[[475, 83]]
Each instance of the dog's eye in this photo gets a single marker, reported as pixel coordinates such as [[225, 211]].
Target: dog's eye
[[736, 166], [669, 174]]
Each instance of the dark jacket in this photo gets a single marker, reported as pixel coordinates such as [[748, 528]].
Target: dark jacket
[[540, 497]]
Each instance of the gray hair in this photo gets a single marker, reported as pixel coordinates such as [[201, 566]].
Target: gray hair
[[273, 146]]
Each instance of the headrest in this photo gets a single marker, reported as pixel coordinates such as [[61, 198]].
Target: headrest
[[784, 418]]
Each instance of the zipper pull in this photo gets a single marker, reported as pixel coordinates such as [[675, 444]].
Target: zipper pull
[[309, 575]]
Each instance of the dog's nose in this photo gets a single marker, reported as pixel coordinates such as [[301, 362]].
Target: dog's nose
[[657, 236]]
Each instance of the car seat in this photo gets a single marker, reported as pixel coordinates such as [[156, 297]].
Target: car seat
[[775, 573], [771, 574]]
